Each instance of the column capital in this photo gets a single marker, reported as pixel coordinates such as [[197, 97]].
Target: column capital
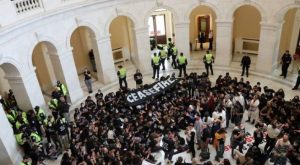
[[19, 78], [182, 24], [224, 23], [103, 39], [140, 30], [63, 51], [269, 26]]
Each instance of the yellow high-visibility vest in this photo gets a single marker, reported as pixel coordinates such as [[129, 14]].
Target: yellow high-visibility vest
[[62, 88], [181, 60], [163, 54], [122, 72], [208, 58], [155, 60]]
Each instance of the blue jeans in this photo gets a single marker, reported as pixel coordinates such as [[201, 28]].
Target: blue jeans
[[281, 160], [220, 151]]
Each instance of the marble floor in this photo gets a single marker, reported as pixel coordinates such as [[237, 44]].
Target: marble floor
[[195, 65]]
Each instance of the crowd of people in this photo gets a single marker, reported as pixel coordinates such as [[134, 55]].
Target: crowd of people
[[105, 130], [40, 135]]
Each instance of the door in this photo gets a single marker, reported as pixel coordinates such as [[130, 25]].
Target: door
[[204, 25]]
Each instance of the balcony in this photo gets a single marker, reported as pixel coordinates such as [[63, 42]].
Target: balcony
[[14, 11]]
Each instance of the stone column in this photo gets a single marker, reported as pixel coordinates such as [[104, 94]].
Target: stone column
[[295, 32], [27, 90], [65, 66], [277, 53], [107, 70], [182, 38], [10, 152], [223, 55], [268, 46], [94, 46], [143, 58]]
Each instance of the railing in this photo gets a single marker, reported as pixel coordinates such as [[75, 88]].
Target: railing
[[23, 6]]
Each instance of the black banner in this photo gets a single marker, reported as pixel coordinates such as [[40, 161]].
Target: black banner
[[140, 96]]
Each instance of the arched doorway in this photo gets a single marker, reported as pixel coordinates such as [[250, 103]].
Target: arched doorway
[[202, 30], [161, 28], [10, 152], [86, 55], [47, 67], [246, 34], [290, 39], [123, 43], [10, 79]]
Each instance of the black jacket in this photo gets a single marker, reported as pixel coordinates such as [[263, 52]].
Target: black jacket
[[246, 61]]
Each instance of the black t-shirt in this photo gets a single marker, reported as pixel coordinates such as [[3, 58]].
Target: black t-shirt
[[87, 75], [269, 93], [138, 78]]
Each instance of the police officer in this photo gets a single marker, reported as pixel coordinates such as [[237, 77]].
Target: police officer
[[62, 88], [53, 106], [163, 55], [170, 46], [286, 59], [208, 60], [122, 76], [20, 138], [5, 104], [26, 160], [40, 114], [36, 139], [12, 100], [174, 55], [20, 123], [182, 62], [155, 62], [63, 108], [245, 63], [298, 80], [11, 116]]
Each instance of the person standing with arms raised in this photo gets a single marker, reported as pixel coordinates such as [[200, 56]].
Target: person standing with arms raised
[[182, 63], [122, 76], [208, 60], [88, 79], [155, 62]]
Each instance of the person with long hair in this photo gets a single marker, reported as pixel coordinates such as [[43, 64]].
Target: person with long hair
[[219, 143]]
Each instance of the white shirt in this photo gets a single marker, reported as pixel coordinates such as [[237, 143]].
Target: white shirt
[[210, 35], [110, 134], [223, 115], [254, 105], [240, 99], [272, 133], [228, 103], [209, 121]]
